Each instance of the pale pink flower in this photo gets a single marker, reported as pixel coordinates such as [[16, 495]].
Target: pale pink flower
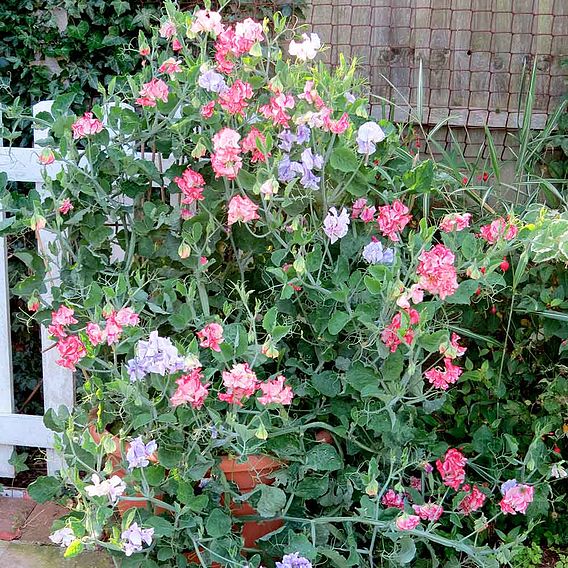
[[473, 501], [71, 351], [168, 29], [392, 499], [226, 160], [443, 379], [455, 222], [276, 109], [392, 219], [407, 522], [207, 21], [336, 225], [240, 382], [154, 90], [86, 126], [357, 207], [170, 66], [275, 392], [65, 206], [429, 511], [498, 229], [336, 126], [127, 316], [437, 272], [516, 497], [63, 316], [190, 390], [112, 488], [211, 336], [242, 209], [113, 330], [94, 333], [452, 468], [247, 33], [311, 95], [414, 294], [269, 188]]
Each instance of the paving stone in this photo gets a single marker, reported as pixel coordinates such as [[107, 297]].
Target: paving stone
[[37, 527], [26, 555], [13, 515]]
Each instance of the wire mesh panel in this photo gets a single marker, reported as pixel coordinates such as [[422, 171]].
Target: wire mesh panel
[[475, 54]]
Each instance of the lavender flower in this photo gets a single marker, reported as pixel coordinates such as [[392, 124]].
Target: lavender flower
[[134, 536], [374, 253], [308, 179], [294, 560], [212, 81], [63, 537], [336, 225], [137, 369], [311, 160], [285, 172], [138, 453], [303, 133], [367, 136], [286, 140], [508, 485], [349, 97]]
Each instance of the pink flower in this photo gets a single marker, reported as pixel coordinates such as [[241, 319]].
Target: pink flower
[[233, 100], [452, 468], [498, 229], [416, 483], [63, 316], [455, 222], [226, 160], [65, 206], [191, 184], [276, 109], [176, 44], [113, 330], [33, 305], [443, 379], [407, 522], [127, 316], [155, 90], [46, 157], [274, 392], [190, 390], [454, 349], [437, 272], [210, 336], [207, 21], [247, 33], [170, 66], [203, 260], [71, 351], [336, 225], [392, 219], [168, 29], [472, 501], [516, 497], [240, 382], [242, 209], [393, 499], [389, 335], [94, 333], [429, 511], [311, 96], [337, 126], [368, 214], [207, 109], [144, 51], [414, 293], [357, 207], [85, 126], [249, 144]]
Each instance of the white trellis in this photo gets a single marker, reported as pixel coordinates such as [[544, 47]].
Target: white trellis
[[21, 164]]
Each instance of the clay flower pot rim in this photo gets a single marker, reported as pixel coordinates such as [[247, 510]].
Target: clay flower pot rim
[[253, 462]]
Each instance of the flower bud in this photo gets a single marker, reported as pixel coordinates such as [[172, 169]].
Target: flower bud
[[37, 222], [184, 250], [33, 304], [261, 433], [46, 157], [372, 488]]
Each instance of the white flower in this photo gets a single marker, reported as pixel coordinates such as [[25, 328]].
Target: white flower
[[558, 472], [63, 537], [367, 136], [112, 488], [306, 49]]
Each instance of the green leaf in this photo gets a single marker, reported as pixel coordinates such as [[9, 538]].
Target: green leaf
[[74, 549], [373, 285], [161, 526], [406, 550], [269, 319], [327, 383], [18, 461], [337, 322], [464, 292], [312, 487], [44, 488], [323, 457], [431, 341], [362, 378], [343, 160], [218, 523], [272, 501], [421, 178]]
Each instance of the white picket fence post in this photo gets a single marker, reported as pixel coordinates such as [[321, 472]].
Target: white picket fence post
[[21, 164]]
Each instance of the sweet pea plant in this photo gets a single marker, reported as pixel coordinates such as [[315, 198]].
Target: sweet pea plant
[[246, 268]]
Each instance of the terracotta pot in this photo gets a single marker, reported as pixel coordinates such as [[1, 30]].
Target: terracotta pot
[[324, 436], [246, 476]]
